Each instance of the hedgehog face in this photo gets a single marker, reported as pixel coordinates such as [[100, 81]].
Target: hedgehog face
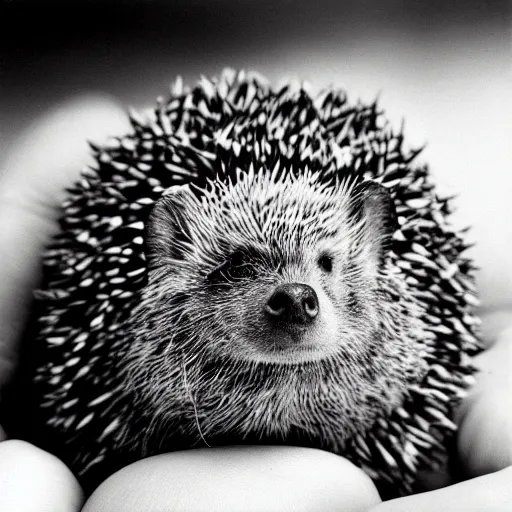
[[282, 270], [267, 302]]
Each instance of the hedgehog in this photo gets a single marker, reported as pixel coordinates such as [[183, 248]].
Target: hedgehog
[[255, 264]]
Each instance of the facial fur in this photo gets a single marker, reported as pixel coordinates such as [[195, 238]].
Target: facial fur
[[207, 362]]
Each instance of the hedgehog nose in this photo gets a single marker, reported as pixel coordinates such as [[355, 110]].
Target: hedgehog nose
[[293, 302]]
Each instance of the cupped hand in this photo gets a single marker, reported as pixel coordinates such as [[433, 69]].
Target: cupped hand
[[46, 159], [43, 163]]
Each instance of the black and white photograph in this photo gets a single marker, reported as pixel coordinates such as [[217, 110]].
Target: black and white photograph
[[255, 256]]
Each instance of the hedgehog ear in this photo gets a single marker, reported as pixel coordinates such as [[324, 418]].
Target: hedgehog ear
[[374, 204], [168, 230]]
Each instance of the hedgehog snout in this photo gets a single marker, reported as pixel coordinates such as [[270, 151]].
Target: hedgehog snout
[[293, 303]]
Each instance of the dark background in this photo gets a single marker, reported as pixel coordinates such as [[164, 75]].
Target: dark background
[[132, 49], [443, 66]]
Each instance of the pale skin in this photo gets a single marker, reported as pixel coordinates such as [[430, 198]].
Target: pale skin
[[46, 160]]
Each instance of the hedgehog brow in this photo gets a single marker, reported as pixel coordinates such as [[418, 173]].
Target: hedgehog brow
[[249, 253]]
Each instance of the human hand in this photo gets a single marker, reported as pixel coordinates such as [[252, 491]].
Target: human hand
[[37, 171], [46, 159], [484, 437]]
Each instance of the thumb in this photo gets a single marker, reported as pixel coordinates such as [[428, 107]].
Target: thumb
[[492, 493]]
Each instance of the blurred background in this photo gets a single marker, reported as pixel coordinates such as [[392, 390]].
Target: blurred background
[[443, 66]]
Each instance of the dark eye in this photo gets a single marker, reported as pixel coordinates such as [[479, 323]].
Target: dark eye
[[240, 267], [235, 267], [325, 262]]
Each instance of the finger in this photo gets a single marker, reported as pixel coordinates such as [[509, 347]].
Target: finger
[[485, 434], [249, 479], [47, 158], [32, 480], [490, 493]]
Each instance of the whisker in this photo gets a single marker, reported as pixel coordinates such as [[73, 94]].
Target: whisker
[[194, 405]]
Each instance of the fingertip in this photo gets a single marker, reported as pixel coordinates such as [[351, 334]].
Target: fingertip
[[232, 479], [32, 480], [484, 441]]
